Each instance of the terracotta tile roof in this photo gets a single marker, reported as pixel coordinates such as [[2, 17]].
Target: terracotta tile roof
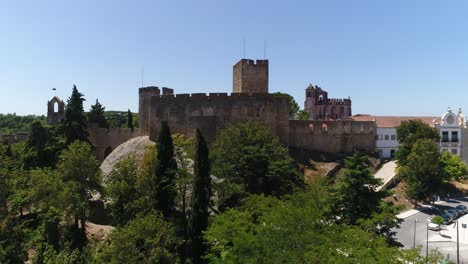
[[391, 121]]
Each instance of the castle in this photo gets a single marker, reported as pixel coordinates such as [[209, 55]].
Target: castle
[[249, 101], [320, 107]]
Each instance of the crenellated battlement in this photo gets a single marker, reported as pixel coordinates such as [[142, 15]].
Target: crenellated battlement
[[178, 98], [339, 101]]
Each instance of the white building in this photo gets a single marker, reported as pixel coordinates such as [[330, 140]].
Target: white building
[[452, 129]]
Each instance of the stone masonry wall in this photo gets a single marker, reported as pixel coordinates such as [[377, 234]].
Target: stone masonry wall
[[250, 76], [209, 113], [106, 140], [333, 136]]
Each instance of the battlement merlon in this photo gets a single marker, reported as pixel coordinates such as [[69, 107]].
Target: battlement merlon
[[253, 62], [149, 89]]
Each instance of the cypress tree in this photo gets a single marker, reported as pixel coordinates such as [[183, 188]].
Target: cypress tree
[[75, 125], [130, 120], [96, 115], [200, 200], [165, 173]]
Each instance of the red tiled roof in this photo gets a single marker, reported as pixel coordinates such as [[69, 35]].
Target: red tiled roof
[[391, 121]]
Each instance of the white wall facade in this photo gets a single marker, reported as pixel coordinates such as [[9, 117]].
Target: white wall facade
[[386, 142]]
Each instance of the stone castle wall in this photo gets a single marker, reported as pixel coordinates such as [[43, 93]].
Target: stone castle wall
[[106, 140], [343, 136], [209, 113]]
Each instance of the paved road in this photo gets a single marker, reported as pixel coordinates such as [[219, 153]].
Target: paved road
[[386, 173], [444, 241]]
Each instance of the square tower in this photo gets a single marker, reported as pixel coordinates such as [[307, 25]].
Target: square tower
[[250, 76]]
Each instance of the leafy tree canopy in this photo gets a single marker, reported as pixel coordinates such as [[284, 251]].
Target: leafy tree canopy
[[408, 133], [96, 115], [422, 170], [248, 159], [453, 167]]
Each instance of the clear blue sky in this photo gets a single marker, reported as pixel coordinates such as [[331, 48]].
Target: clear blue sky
[[392, 57]]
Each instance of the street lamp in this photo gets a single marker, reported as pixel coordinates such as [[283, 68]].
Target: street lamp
[[414, 237]]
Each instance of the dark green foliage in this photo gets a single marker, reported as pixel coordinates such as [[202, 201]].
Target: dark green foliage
[[81, 176], [130, 120], [408, 133], [200, 200], [146, 239], [75, 123], [11, 241], [96, 115], [122, 192], [292, 230], [422, 170], [12, 124], [42, 147], [355, 196], [165, 173], [293, 106], [249, 159]]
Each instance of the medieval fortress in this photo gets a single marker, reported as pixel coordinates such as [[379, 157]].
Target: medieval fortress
[[331, 128], [328, 131]]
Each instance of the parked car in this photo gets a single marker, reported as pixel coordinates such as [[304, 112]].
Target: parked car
[[452, 212], [431, 225], [447, 218], [461, 209]]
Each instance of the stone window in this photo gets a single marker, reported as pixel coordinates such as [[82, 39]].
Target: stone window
[[444, 136], [386, 137], [454, 136], [454, 151], [393, 137]]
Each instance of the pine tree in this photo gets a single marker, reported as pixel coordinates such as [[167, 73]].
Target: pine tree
[[75, 125], [165, 173], [96, 115], [200, 200], [130, 120]]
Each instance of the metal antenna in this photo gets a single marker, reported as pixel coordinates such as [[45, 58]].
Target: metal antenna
[[244, 47], [142, 75], [264, 50]]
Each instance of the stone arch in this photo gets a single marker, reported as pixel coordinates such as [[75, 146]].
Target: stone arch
[[107, 151], [55, 115]]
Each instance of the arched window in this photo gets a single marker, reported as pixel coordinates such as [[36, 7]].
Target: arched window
[[107, 151]]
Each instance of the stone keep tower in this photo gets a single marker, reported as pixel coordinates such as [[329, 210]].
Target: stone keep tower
[[145, 94], [250, 76], [54, 117]]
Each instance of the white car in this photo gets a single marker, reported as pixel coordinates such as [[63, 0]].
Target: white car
[[432, 226]]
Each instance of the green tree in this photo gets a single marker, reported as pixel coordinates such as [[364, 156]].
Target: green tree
[[75, 124], [293, 106], [248, 159], [121, 189], [453, 167], [96, 115], [130, 120], [302, 115], [422, 170], [355, 195], [82, 177], [41, 149], [165, 173], [146, 239], [201, 193], [410, 131], [291, 230]]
